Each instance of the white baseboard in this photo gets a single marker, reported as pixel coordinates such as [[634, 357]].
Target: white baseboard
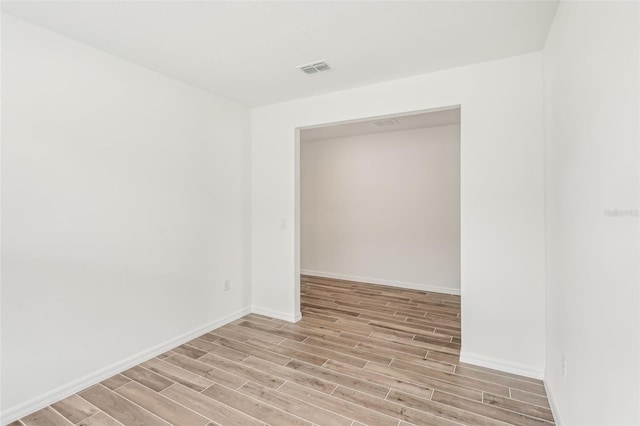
[[48, 398], [400, 284], [501, 365], [552, 403], [285, 316]]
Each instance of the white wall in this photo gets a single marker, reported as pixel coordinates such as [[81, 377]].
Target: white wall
[[383, 208], [502, 198], [592, 113], [124, 208]]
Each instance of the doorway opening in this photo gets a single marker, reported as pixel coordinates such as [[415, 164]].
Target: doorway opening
[[379, 203]]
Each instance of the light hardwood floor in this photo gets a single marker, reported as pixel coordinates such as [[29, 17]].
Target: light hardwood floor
[[362, 354]]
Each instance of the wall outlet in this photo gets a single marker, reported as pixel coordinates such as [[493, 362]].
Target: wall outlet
[[227, 285], [564, 367]]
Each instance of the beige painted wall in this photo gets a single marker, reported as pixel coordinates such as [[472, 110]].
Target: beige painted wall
[[124, 210], [591, 81], [383, 208], [501, 191]]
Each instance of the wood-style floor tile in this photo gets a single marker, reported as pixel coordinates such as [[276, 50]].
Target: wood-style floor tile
[[518, 406], [327, 353], [99, 419], [392, 409], [288, 352], [444, 411], [253, 351], [294, 406], [46, 417], [242, 370], [148, 378], [537, 388], [338, 405], [74, 408], [530, 398], [361, 355], [432, 383], [292, 375], [121, 409], [206, 370], [162, 407], [339, 378], [177, 374], [486, 410], [261, 411], [115, 381], [380, 379], [214, 410]]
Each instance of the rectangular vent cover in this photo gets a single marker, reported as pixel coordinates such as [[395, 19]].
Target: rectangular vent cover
[[314, 67], [386, 123]]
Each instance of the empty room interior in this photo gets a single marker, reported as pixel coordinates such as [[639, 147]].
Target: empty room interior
[[380, 201], [320, 213]]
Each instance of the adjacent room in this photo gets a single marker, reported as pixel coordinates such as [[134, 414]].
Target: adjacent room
[[380, 201], [320, 213]]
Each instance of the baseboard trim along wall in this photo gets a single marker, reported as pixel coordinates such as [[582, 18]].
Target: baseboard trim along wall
[[400, 284], [501, 365], [552, 402], [285, 316], [69, 389]]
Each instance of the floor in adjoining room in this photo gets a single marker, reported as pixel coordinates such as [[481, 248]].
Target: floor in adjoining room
[[362, 354]]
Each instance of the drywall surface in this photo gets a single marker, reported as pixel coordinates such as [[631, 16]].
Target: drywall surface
[[124, 209], [383, 207], [592, 113], [502, 198]]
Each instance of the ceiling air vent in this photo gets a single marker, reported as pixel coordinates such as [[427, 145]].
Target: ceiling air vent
[[386, 123], [314, 67]]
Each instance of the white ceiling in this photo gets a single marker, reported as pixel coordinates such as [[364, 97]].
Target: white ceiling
[[248, 51], [445, 117]]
